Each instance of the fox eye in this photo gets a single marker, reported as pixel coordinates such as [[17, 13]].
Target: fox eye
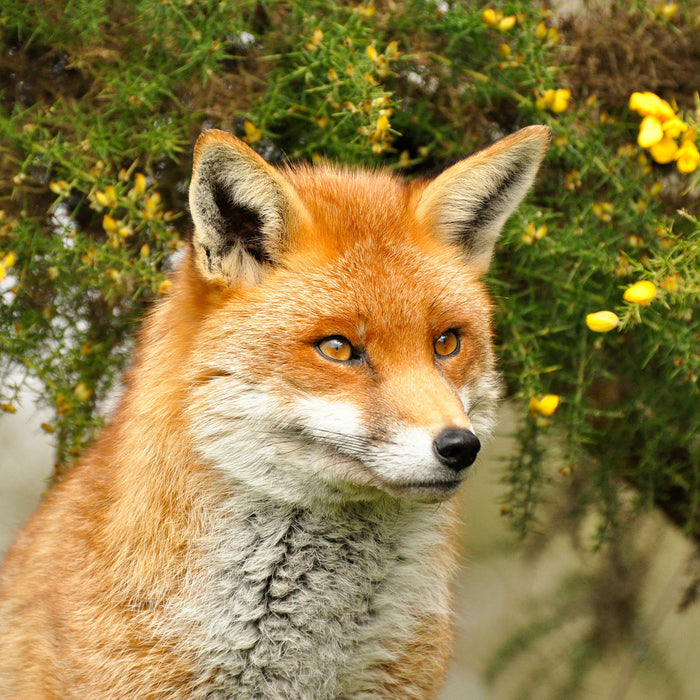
[[447, 344], [336, 348]]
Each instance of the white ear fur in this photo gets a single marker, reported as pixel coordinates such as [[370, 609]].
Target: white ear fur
[[468, 203], [241, 207]]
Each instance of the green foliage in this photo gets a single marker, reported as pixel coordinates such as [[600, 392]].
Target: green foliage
[[97, 95]]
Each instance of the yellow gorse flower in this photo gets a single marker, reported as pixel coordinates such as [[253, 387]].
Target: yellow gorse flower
[[659, 127], [664, 151], [507, 23], [252, 134], [647, 104], [492, 17], [640, 292], [666, 10], [650, 132], [674, 127], [687, 157], [109, 224], [139, 187], [602, 321], [82, 391], [557, 100], [108, 198], [546, 406], [61, 187]]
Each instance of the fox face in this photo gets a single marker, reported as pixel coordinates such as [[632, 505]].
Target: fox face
[[350, 354]]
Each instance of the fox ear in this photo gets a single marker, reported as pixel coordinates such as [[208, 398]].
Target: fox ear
[[242, 209], [468, 203]]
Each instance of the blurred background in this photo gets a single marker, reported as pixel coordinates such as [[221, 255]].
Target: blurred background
[[582, 520]]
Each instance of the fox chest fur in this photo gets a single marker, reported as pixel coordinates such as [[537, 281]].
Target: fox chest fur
[[309, 604], [270, 513]]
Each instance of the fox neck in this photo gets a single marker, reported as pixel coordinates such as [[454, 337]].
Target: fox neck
[[294, 602]]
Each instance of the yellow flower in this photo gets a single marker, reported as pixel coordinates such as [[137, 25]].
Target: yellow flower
[[372, 53], [504, 50], [650, 132], [546, 406], [82, 392], [109, 224], [252, 133], [316, 39], [108, 198], [151, 209], [602, 321], [666, 10], [687, 157], [553, 35], [382, 124], [61, 188], [647, 104], [603, 210], [9, 260], [3, 272], [557, 100], [164, 287], [392, 50], [534, 233], [507, 23], [674, 127], [664, 151], [139, 187], [492, 17], [640, 293]]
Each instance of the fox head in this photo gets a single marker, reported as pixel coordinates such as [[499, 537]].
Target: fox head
[[347, 351]]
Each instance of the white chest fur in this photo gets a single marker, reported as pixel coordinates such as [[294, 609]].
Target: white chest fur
[[298, 603]]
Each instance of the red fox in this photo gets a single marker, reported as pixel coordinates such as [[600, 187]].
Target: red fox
[[259, 520]]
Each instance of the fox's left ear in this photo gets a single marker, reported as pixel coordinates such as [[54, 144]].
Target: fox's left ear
[[468, 203], [244, 210]]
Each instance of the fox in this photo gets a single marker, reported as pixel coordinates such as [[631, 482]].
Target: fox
[[270, 511]]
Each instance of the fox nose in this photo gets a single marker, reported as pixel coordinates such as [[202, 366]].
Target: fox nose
[[456, 448]]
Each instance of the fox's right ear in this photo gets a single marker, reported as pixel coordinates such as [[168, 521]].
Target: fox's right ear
[[243, 210], [468, 203]]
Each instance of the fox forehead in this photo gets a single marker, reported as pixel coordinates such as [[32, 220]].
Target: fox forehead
[[347, 206], [364, 258]]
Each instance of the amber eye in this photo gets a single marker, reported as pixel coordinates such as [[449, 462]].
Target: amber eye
[[337, 348], [447, 344]]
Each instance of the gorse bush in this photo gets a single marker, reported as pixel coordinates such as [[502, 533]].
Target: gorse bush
[[101, 103]]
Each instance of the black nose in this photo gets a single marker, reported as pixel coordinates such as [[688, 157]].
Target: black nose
[[456, 448]]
